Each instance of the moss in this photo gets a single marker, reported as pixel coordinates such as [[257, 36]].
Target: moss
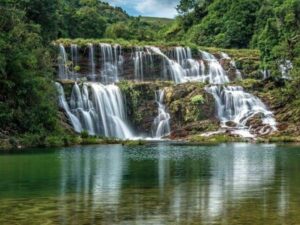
[[249, 84], [235, 53], [132, 99], [279, 139], [214, 139], [197, 100], [104, 140]]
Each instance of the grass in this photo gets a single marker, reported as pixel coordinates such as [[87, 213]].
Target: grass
[[214, 139], [35, 140], [162, 21], [279, 139], [235, 53]]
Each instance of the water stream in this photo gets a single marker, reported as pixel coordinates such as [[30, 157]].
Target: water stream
[[161, 125]]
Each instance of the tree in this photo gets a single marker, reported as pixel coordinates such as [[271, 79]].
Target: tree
[[27, 98]]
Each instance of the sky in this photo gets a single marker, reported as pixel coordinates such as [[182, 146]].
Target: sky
[[153, 8]]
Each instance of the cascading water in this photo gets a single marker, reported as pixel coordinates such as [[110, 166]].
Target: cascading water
[[112, 62], [161, 125], [64, 105], [285, 68], [143, 62], [216, 74], [63, 70], [75, 60], [138, 64], [96, 108], [191, 68], [176, 71], [100, 109], [92, 63], [236, 107], [233, 64]]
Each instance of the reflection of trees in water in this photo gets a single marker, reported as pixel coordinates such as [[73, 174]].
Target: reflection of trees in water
[[94, 176], [167, 183]]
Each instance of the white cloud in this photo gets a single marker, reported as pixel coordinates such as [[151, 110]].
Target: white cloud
[[155, 8]]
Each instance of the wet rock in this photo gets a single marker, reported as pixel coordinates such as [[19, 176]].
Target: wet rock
[[231, 124]]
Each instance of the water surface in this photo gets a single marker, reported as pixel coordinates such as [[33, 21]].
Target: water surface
[[156, 184]]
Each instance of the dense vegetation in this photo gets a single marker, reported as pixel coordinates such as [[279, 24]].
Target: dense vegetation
[[273, 26], [27, 101]]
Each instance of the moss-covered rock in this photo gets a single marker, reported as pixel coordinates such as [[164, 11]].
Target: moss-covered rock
[[140, 103], [191, 108]]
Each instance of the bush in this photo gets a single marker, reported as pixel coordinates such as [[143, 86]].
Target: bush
[[85, 134]]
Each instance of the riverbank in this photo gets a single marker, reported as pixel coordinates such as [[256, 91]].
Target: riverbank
[[33, 141]]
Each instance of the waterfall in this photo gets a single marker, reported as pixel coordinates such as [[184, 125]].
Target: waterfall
[[233, 64], [190, 67], [216, 73], [176, 71], [64, 105], [143, 62], [161, 124], [63, 70], [99, 108], [108, 105], [92, 63], [75, 60], [183, 68], [285, 68], [111, 61], [96, 108], [237, 107], [138, 64]]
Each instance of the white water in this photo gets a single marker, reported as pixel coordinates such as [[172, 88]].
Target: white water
[[236, 106], [143, 62], [63, 70], [75, 60], [92, 75], [98, 109], [216, 73], [233, 64], [183, 68], [64, 105], [285, 67], [112, 63], [161, 125]]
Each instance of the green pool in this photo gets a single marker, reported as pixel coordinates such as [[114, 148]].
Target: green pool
[[153, 184]]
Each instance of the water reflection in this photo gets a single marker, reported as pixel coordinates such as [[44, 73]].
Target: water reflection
[[181, 185], [163, 184]]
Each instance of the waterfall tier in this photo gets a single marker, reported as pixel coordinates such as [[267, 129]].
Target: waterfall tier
[[161, 125], [96, 108], [107, 64], [235, 108]]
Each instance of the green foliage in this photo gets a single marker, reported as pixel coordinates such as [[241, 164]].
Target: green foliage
[[85, 134], [222, 23], [27, 98], [129, 92], [280, 38], [135, 29], [197, 100], [272, 26]]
